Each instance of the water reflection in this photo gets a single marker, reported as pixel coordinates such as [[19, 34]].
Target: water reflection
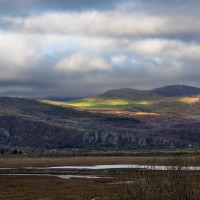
[[149, 167]]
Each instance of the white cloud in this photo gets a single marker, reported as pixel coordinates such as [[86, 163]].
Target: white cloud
[[81, 62], [116, 23], [89, 23], [16, 54], [13, 49]]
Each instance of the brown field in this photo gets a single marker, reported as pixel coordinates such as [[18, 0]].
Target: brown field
[[141, 185], [92, 160], [42, 188]]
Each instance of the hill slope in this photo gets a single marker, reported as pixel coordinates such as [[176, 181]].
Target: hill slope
[[176, 90], [166, 91], [122, 119], [169, 99], [129, 94]]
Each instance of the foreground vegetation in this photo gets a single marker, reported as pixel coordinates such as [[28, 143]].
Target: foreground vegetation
[[174, 184], [137, 184]]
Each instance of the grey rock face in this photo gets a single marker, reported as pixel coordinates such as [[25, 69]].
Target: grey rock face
[[4, 136], [103, 139], [4, 132]]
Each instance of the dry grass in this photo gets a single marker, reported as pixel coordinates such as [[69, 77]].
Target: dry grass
[[141, 185], [42, 188], [168, 185], [89, 160], [173, 184]]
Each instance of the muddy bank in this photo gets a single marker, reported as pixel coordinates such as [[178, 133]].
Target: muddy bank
[[65, 171]]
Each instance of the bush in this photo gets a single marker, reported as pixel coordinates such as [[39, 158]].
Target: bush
[[176, 183]]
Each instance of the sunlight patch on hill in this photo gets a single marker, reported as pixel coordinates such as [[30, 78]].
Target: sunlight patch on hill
[[144, 102], [56, 103], [146, 113], [100, 103], [190, 100], [97, 102]]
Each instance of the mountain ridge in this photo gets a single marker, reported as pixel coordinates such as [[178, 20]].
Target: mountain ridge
[[176, 90], [165, 91]]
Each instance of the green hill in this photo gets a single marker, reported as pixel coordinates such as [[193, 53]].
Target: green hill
[[169, 99]]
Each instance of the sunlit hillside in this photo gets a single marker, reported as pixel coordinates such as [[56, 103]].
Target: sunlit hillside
[[126, 104]]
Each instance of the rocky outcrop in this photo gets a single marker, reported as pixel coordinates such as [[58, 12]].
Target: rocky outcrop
[[103, 139], [4, 136], [110, 133]]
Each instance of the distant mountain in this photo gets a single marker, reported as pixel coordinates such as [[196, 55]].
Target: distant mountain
[[176, 90], [128, 93], [167, 91]]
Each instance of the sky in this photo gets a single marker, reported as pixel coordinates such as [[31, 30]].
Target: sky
[[79, 48]]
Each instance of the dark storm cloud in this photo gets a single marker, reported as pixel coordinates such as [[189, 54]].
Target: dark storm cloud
[[27, 7], [20, 7], [175, 7]]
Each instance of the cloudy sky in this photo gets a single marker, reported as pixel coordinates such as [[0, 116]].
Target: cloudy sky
[[85, 47]]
